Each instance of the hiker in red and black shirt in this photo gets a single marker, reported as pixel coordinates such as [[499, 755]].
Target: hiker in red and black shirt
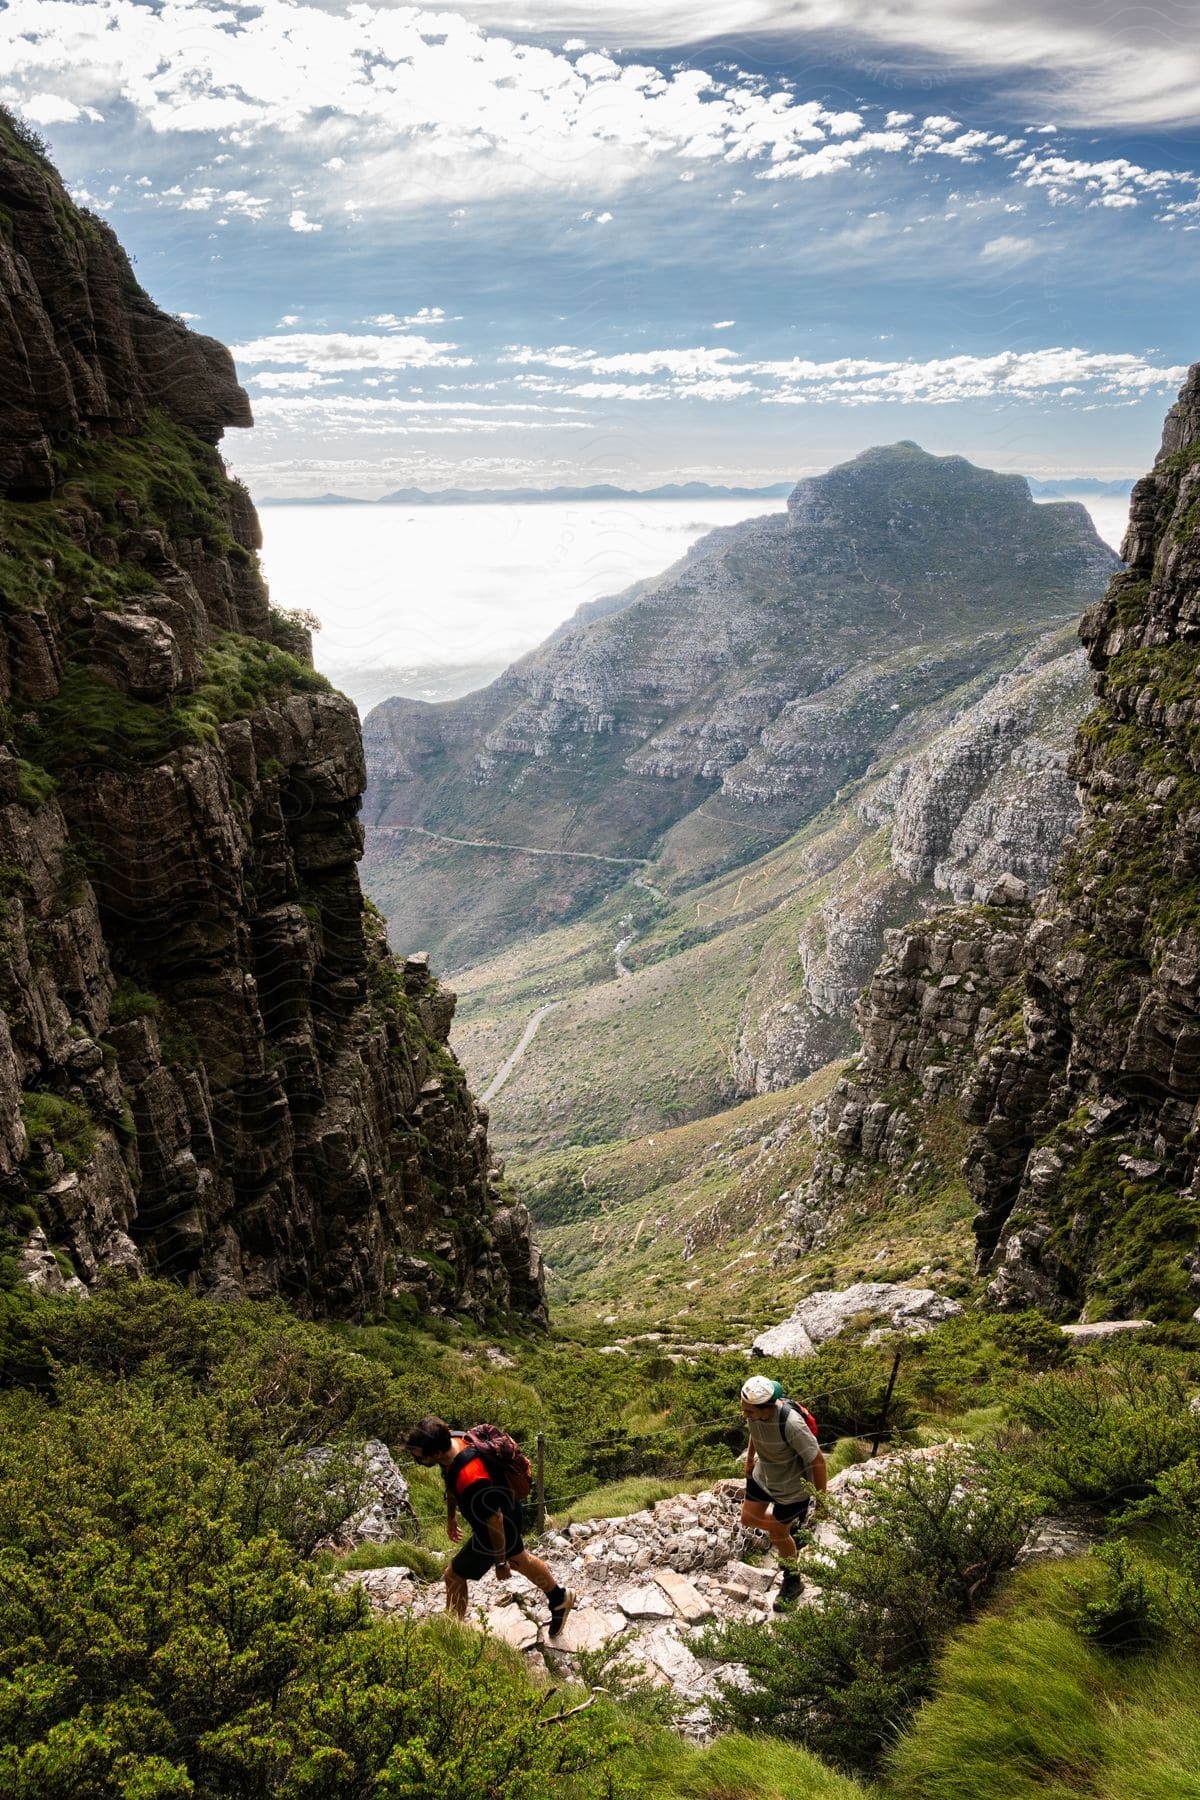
[[487, 1502]]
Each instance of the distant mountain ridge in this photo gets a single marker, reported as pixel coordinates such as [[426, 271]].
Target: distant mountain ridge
[[671, 490], [712, 711], [1071, 487]]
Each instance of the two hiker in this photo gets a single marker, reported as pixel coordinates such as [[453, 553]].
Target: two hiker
[[784, 1465], [486, 1478]]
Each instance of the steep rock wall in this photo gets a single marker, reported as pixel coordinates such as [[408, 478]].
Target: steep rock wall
[[982, 794], [1076, 1052], [1085, 1164], [210, 1064]]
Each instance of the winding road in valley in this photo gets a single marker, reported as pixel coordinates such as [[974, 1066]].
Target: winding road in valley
[[510, 1062], [624, 862]]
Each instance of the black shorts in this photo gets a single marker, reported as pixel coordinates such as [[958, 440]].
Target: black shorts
[[788, 1512], [477, 1555]]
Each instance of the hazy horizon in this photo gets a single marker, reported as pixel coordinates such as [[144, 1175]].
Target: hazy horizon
[[435, 602]]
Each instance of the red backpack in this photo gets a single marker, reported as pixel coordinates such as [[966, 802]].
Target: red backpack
[[795, 1406], [503, 1458]]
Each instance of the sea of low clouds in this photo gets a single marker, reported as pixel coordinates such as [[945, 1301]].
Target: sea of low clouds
[[432, 602]]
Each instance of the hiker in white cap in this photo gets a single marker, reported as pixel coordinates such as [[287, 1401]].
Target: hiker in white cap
[[784, 1465]]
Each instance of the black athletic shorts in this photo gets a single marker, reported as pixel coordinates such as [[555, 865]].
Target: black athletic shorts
[[788, 1512], [477, 1555]]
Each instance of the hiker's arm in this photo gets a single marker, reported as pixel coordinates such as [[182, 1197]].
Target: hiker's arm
[[749, 1459], [453, 1528], [499, 1544], [819, 1477]]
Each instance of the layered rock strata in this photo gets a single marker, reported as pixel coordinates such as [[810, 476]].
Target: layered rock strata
[[986, 794], [210, 1064], [723, 705], [1071, 1039]]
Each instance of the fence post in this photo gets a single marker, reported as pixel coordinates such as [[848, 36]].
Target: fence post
[[540, 1507], [887, 1401]]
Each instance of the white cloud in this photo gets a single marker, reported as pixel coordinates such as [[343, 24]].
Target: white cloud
[[420, 105], [293, 378], [720, 375], [342, 350], [1007, 249], [424, 316], [53, 109], [1115, 182], [1087, 64], [722, 324]]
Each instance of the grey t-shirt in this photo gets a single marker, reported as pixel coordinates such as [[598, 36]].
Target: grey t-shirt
[[781, 1463]]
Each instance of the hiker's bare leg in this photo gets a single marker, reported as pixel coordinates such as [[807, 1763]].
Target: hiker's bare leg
[[456, 1595], [757, 1516], [534, 1569]]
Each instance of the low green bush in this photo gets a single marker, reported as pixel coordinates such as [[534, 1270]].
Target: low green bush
[[69, 1128], [841, 1677], [1103, 1433]]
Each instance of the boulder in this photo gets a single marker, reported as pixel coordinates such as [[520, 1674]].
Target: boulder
[[911, 1311], [385, 1510], [688, 1602], [645, 1603]]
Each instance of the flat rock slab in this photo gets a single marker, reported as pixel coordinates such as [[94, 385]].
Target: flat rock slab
[[513, 1626], [1097, 1330], [648, 1602], [587, 1628], [749, 1575], [690, 1604]]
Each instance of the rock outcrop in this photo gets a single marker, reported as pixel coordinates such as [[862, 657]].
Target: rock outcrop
[[1070, 1039], [210, 1065], [889, 1306], [726, 703], [1085, 1164], [986, 795]]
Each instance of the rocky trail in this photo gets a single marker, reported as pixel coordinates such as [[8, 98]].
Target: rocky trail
[[648, 1585]]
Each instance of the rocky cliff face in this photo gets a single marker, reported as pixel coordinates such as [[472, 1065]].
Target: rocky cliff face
[[1085, 1164], [986, 794], [1070, 1040], [724, 705], [210, 1065]]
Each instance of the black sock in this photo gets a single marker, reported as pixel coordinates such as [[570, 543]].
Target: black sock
[[556, 1596]]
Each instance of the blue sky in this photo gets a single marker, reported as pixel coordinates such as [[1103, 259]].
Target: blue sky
[[734, 241]]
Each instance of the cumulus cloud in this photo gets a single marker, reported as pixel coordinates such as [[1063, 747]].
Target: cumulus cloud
[[720, 375], [53, 109], [344, 350]]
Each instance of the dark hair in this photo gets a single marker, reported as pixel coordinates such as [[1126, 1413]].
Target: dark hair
[[430, 1437]]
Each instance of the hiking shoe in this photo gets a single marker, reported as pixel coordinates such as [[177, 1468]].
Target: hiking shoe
[[790, 1591], [558, 1613]]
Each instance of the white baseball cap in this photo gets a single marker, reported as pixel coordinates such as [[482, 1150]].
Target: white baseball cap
[[760, 1390]]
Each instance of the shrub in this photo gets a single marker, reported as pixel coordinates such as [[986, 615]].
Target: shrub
[[1105, 1432], [1126, 1614], [68, 1126], [842, 1676], [160, 1631]]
